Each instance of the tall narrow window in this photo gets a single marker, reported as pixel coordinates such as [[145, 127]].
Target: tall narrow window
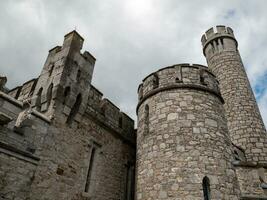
[[206, 188], [129, 186], [38, 99], [146, 120], [51, 70], [120, 122], [155, 81], [49, 94], [89, 173], [66, 94], [78, 77], [74, 109]]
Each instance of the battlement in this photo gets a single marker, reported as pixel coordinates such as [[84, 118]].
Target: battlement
[[218, 39], [107, 112], [218, 31], [179, 76]]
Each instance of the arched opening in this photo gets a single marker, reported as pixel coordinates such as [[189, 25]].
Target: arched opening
[[78, 77], [51, 70], [74, 109], [38, 99], [155, 81], [49, 94], [206, 188], [66, 95]]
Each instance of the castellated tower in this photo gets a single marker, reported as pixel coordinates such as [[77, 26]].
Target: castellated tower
[[183, 147], [64, 83], [245, 124]]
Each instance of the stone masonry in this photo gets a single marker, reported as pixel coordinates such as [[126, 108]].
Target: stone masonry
[[199, 132]]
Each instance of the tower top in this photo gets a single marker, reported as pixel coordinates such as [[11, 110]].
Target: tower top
[[217, 32], [73, 39]]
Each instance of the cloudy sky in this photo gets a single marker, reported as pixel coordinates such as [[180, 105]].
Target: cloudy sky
[[130, 38]]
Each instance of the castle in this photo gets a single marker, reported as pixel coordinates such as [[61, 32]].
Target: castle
[[199, 132]]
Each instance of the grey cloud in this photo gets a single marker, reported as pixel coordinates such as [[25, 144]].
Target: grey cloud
[[129, 38]]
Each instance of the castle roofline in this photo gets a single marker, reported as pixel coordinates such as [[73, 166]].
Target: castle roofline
[[176, 65]]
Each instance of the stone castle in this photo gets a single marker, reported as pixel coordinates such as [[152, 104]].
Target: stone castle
[[199, 133]]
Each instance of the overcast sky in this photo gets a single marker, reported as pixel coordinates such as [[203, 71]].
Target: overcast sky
[[130, 38]]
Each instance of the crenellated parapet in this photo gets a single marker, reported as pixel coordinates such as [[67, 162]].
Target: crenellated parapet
[[103, 110], [218, 39], [179, 76]]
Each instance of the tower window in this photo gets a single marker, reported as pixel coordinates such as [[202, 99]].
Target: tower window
[[129, 186], [206, 188], [38, 99], [74, 109], [78, 77], [51, 70], [49, 94], [120, 122], [90, 169], [91, 179], [146, 121], [155, 81], [66, 94]]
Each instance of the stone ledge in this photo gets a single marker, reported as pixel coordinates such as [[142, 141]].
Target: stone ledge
[[253, 197], [17, 153], [4, 119], [249, 164], [11, 99]]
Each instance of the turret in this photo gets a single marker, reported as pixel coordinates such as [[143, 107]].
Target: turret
[[245, 124], [183, 146], [63, 87]]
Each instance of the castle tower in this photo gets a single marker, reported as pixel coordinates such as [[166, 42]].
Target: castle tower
[[183, 146], [245, 124], [64, 83]]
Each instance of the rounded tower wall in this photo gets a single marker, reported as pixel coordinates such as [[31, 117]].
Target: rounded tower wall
[[245, 124], [178, 76], [182, 137]]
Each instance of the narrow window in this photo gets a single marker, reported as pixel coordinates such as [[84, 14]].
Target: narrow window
[[78, 77], [206, 188], [146, 119], [202, 78], [66, 94], [120, 122], [103, 108], [74, 109], [129, 182], [51, 70], [38, 99], [140, 92], [49, 94], [217, 42], [221, 39], [89, 173], [155, 81]]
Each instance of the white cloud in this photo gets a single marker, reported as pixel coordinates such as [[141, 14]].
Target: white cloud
[[129, 38]]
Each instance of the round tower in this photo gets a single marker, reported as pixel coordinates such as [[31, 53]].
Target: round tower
[[183, 146], [245, 124]]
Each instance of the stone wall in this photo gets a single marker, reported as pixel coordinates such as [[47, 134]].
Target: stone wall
[[245, 124], [182, 137]]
